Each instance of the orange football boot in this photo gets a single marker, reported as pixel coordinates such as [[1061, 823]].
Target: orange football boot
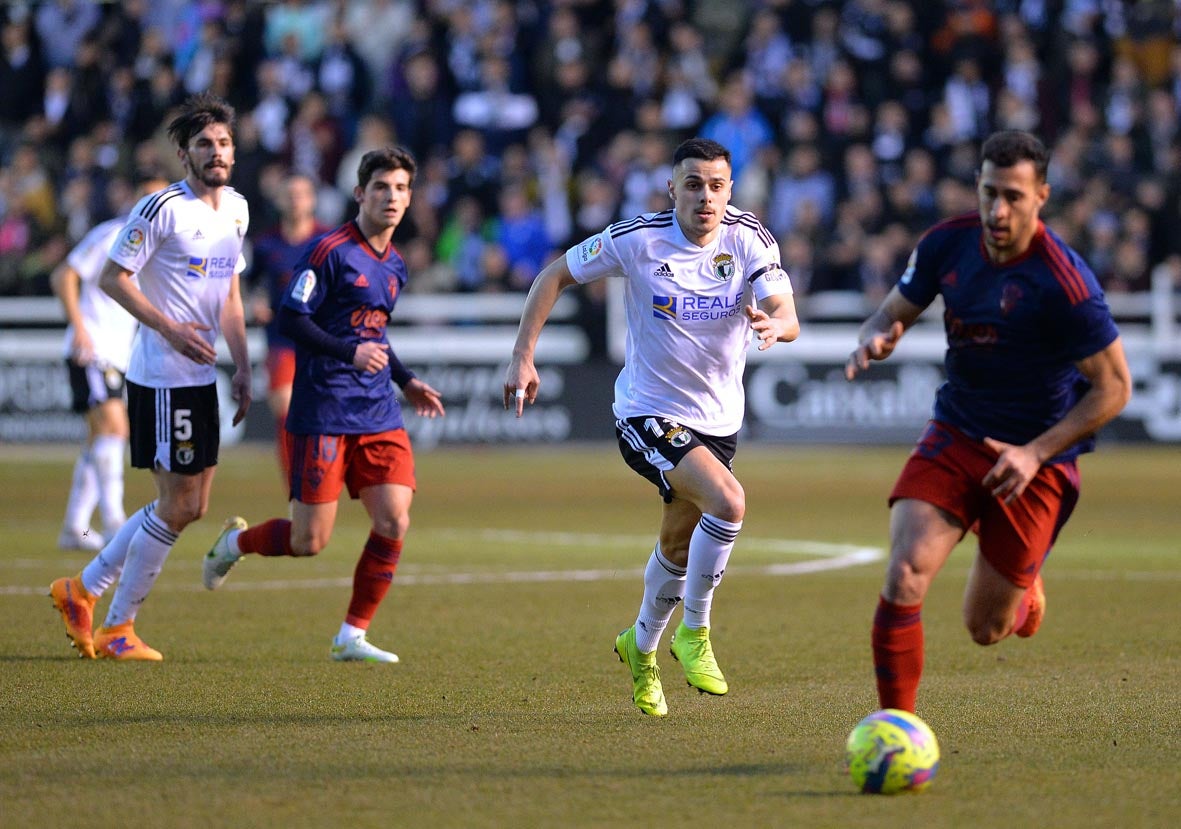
[[120, 642], [77, 609], [1037, 609]]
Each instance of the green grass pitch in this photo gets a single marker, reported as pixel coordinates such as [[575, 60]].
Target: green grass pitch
[[509, 708]]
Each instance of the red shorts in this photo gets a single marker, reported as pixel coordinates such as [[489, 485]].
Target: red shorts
[[280, 367], [321, 465], [946, 469]]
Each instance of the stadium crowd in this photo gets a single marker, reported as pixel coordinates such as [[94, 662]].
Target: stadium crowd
[[854, 125]]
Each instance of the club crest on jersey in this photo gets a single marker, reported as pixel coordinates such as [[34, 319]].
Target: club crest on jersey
[[724, 266], [303, 285], [131, 241], [678, 436], [664, 307], [185, 453], [589, 249], [1011, 296]]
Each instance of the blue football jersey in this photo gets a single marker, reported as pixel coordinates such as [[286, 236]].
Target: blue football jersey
[[274, 263], [1014, 331], [349, 290]]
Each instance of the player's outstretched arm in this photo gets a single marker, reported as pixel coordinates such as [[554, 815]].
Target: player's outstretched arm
[[774, 320], [1111, 388], [184, 337], [521, 379], [881, 331]]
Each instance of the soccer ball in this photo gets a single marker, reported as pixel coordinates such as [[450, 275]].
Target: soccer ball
[[892, 751]]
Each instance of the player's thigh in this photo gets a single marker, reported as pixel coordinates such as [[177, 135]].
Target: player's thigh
[[705, 481], [388, 506], [109, 418], [175, 429], [1016, 538], [991, 602], [379, 459], [318, 464], [922, 536], [311, 526], [670, 456]]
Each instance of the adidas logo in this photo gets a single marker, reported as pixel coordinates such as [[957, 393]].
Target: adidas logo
[[664, 270], [361, 282], [198, 235]]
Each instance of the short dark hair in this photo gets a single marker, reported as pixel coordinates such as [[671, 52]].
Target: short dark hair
[[704, 148], [196, 113], [1009, 147], [387, 158]]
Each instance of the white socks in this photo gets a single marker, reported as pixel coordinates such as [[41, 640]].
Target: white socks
[[709, 550], [146, 553], [97, 482], [348, 632], [106, 456], [104, 569], [664, 586], [83, 495]]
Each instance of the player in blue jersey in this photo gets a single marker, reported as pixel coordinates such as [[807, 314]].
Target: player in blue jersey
[[345, 424], [1035, 366], [275, 256]]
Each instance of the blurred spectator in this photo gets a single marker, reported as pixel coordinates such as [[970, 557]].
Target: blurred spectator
[[520, 232], [62, 25], [419, 107], [738, 125]]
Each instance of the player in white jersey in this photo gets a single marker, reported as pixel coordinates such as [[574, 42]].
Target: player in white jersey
[[702, 280], [97, 348], [184, 243]]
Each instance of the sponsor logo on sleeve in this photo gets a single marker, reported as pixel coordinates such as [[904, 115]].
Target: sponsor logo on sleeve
[[589, 249], [131, 241], [908, 274], [303, 285]]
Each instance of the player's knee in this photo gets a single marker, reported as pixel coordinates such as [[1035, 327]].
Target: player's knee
[[308, 545], [729, 503], [392, 527], [986, 630], [906, 584]]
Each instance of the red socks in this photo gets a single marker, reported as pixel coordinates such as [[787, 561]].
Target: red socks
[[271, 538], [372, 578], [898, 653]]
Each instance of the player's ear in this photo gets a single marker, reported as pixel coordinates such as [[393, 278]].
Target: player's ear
[[358, 194]]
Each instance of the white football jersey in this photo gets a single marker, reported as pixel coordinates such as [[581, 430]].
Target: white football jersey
[[687, 334], [184, 253], [110, 327]]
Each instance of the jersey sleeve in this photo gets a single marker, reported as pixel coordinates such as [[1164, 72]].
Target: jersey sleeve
[[308, 286], [137, 241], [595, 258], [919, 283], [764, 273]]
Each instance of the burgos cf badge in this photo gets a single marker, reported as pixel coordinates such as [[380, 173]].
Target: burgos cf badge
[[724, 266], [678, 436]]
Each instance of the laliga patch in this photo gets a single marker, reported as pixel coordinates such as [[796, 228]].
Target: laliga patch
[[908, 274], [303, 285], [131, 242], [589, 249]]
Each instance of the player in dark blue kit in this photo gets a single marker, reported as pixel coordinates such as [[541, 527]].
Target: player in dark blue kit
[[275, 255], [345, 424], [1035, 366]]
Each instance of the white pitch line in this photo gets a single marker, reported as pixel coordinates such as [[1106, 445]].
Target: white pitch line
[[831, 557]]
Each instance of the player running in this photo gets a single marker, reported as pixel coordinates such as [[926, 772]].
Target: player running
[[345, 424], [1035, 366], [701, 279]]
